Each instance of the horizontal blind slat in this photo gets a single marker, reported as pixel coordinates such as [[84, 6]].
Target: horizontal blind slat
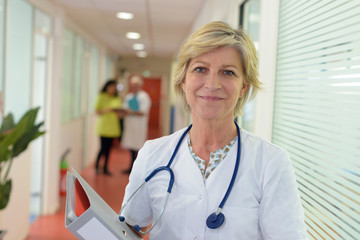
[[352, 42], [321, 59], [340, 131], [319, 38], [319, 71], [331, 16], [317, 110], [299, 11], [326, 166], [344, 231], [313, 144]]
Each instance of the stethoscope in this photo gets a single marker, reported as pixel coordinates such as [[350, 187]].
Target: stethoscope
[[216, 219]]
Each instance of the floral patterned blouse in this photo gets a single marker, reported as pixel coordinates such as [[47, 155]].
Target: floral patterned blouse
[[215, 157]]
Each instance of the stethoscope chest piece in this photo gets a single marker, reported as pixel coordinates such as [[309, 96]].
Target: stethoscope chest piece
[[215, 221]]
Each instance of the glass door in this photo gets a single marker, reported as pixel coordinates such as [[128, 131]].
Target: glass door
[[39, 92], [250, 20]]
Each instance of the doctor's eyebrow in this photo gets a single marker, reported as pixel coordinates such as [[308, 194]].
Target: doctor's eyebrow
[[231, 66], [209, 64]]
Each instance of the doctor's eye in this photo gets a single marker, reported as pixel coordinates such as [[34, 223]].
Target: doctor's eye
[[228, 73], [200, 69]]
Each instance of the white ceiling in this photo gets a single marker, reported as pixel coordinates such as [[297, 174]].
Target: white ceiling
[[163, 24]]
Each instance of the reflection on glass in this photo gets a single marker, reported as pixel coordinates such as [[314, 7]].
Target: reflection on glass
[[2, 37], [250, 20], [19, 45]]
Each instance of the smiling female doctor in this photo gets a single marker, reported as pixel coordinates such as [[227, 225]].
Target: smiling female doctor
[[227, 183]]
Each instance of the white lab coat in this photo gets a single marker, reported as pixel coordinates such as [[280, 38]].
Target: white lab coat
[[264, 202], [135, 126]]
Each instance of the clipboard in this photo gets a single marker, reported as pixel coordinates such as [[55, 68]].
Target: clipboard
[[89, 217]]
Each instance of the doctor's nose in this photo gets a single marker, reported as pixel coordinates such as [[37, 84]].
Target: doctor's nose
[[212, 82]]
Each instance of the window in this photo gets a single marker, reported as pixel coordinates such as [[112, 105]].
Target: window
[[73, 76], [317, 110], [78, 77], [250, 20], [67, 80], [2, 43], [18, 53], [41, 67], [94, 79]]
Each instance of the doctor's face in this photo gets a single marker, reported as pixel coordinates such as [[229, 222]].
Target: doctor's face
[[213, 84]]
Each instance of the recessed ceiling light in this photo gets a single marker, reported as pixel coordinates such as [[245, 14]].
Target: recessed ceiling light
[[133, 35], [138, 46], [141, 54], [125, 15]]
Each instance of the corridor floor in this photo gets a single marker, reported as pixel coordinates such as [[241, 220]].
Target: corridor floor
[[111, 189]]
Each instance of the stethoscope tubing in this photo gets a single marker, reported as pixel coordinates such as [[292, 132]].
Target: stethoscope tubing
[[149, 177], [213, 218], [236, 168]]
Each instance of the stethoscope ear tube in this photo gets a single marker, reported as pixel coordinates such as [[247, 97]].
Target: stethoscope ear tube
[[172, 176], [152, 174], [215, 220], [137, 228], [122, 218]]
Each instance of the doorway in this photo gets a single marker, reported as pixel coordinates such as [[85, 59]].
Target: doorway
[[153, 87]]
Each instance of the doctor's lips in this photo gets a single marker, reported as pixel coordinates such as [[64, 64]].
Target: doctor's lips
[[211, 98]]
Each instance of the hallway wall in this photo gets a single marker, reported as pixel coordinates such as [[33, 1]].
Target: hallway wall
[[59, 136]]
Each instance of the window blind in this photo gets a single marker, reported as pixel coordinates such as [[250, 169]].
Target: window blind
[[317, 110]]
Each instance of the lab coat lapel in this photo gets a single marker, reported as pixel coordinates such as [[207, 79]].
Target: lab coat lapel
[[184, 166], [218, 181]]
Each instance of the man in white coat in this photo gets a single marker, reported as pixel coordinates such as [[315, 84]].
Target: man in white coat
[[137, 104]]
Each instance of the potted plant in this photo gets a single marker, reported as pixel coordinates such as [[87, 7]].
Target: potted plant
[[14, 139]]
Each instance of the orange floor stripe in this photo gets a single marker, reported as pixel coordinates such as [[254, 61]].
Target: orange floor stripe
[[111, 189]]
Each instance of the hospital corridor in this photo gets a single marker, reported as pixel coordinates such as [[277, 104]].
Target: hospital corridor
[[253, 106], [111, 189]]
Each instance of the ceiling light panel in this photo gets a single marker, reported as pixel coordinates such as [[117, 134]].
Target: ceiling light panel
[[141, 54], [133, 35], [138, 46], [125, 15]]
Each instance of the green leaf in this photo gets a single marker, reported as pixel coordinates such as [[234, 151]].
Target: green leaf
[[29, 117], [5, 155], [25, 124], [10, 139], [7, 124], [24, 141], [14, 139], [5, 190]]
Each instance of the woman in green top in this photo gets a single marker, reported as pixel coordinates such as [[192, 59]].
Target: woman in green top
[[107, 125]]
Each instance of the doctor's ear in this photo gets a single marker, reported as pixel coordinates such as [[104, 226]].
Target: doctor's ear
[[244, 89], [183, 85]]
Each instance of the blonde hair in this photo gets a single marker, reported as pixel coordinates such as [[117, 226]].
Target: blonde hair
[[210, 37]]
